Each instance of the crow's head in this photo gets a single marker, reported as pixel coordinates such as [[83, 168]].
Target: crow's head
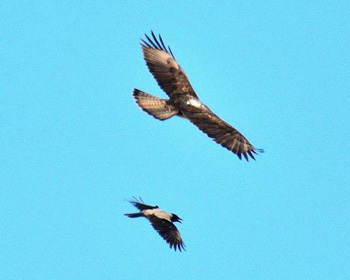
[[176, 218]]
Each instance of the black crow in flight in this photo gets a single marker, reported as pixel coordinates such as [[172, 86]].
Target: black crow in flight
[[162, 221]]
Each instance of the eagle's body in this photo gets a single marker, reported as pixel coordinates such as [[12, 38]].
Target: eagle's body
[[161, 221], [187, 104], [183, 101]]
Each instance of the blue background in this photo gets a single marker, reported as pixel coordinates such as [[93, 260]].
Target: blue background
[[75, 147]]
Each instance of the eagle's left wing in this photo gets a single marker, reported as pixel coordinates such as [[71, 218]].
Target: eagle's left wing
[[164, 68]]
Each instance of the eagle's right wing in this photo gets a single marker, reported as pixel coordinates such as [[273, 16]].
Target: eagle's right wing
[[222, 133]]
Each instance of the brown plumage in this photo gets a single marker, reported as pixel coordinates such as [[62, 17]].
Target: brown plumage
[[184, 101]]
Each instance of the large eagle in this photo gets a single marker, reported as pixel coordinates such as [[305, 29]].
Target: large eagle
[[183, 101]]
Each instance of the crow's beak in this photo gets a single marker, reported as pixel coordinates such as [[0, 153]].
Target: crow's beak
[[180, 220]]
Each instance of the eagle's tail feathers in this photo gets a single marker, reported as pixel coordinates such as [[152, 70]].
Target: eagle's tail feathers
[[159, 108]]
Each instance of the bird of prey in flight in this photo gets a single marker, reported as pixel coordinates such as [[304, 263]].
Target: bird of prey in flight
[[161, 221], [183, 101]]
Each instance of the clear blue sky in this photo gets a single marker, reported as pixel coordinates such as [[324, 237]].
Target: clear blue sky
[[75, 147]]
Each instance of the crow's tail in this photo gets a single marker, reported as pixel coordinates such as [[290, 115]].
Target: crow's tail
[[134, 215]]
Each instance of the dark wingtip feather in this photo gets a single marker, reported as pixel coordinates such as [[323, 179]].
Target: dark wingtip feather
[[135, 92], [245, 156], [161, 41], [136, 200], [251, 155], [183, 247], [151, 42], [171, 52], [145, 44], [256, 151], [154, 36], [178, 246], [154, 43]]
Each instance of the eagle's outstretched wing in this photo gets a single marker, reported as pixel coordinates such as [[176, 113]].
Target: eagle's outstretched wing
[[164, 68], [223, 133], [169, 232]]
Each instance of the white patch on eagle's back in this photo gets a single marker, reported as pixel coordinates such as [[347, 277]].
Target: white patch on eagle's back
[[194, 102]]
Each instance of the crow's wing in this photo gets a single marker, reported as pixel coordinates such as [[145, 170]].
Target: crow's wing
[[222, 133], [168, 231], [139, 204], [164, 68]]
